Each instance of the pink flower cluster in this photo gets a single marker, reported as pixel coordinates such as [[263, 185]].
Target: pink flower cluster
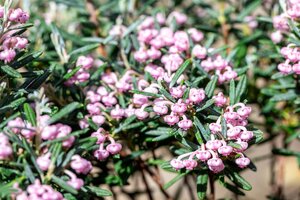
[[111, 149], [38, 191], [5, 147], [292, 62], [82, 75], [293, 9], [47, 132], [213, 150], [10, 43], [154, 43]]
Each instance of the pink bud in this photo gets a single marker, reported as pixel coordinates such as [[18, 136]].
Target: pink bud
[[215, 164], [296, 68], [98, 119], [179, 107], [233, 132], [196, 35], [178, 91], [153, 53], [246, 135], [284, 68], [199, 51], [101, 154], [185, 124], [244, 112], [190, 164], [22, 42], [140, 99], [7, 55], [203, 155], [109, 100], [141, 55], [215, 128], [44, 161], [160, 109], [117, 113], [114, 148], [213, 144], [242, 162], [225, 150], [141, 114], [171, 119], [100, 137], [49, 132], [93, 109], [102, 91], [276, 37], [80, 165], [76, 183], [177, 164], [196, 95]]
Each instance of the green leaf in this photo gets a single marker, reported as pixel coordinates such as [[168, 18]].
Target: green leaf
[[174, 180], [178, 73], [239, 181], [99, 192], [63, 184], [232, 92], [205, 134], [202, 185], [99, 71], [148, 94], [224, 126], [26, 59], [248, 9], [206, 105], [285, 152], [209, 89], [64, 112], [11, 71], [30, 114], [84, 49], [288, 96], [167, 95], [68, 75], [241, 88]]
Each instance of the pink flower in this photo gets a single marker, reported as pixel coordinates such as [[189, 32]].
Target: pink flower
[[196, 95], [203, 155], [114, 148], [225, 150], [7, 55], [242, 162], [171, 119], [80, 165], [215, 164], [190, 164], [177, 164], [199, 51], [44, 161]]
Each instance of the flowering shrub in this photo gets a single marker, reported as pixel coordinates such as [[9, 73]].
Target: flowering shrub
[[96, 93]]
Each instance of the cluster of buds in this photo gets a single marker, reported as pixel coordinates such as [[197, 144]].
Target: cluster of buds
[[38, 191], [45, 131], [293, 9], [5, 147], [170, 47], [176, 112], [292, 62], [10, 43], [280, 22], [82, 75], [281, 25], [112, 148], [213, 150]]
